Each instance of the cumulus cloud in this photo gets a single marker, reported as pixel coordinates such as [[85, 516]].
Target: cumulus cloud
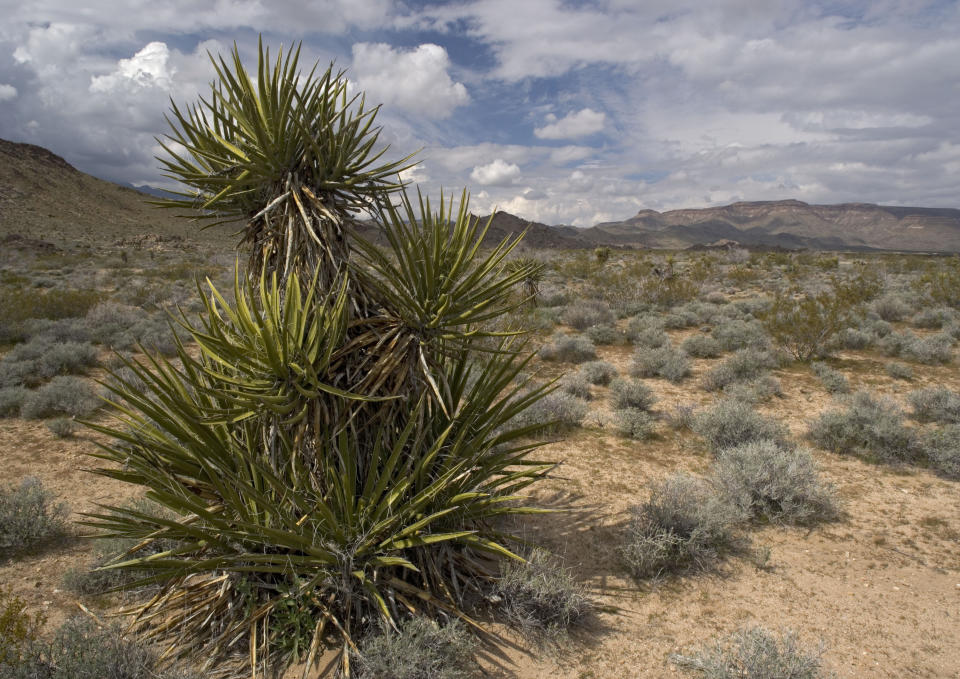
[[580, 124], [417, 80], [496, 173], [7, 92], [147, 68]]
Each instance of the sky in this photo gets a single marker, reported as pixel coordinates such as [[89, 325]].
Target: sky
[[574, 112]]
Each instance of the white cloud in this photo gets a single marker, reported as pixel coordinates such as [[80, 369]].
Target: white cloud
[[416, 81], [147, 68], [7, 92], [496, 173], [580, 124]]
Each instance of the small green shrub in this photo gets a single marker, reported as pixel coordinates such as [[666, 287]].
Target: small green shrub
[[684, 525], [19, 630], [541, 597], [806, 324], [421, 649], [569, 348], [81, 650], [869, 428], [665, 361], [701, 346], [29, 516], [899, 371], [731, 423], [833, 381], [754, 391], [629, 393], [775, 483], [937, 404], [63, 395], [755, 653], [681, 318], [21, 304], [598, 372]]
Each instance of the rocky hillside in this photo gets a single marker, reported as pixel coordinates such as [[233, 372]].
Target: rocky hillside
[[45, 199], [790, 224]]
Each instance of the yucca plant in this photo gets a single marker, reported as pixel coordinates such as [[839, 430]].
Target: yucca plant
[[342, 450]]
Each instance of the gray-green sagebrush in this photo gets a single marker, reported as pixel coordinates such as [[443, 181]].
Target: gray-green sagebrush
[[339, 455]]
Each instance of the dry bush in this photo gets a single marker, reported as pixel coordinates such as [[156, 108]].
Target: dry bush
[[731, 423]]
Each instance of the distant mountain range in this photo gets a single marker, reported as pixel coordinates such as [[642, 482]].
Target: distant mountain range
[[42, 196]]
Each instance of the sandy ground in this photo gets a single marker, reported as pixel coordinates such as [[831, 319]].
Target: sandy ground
[[879, 589]]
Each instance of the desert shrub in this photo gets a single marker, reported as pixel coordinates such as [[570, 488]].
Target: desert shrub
[[80, 650], [29, 515], [854, 338], [63, 330], [19, 631], [833, 381], [568, 348], [731, 423], [633, 423], [684, 525], [576, 384], [754, 391], [630, 393], [63, 395], [771, 482], [17, 373], [21, 304], [540, 597], [603, 334], [598, 372], [539, 319], [899, 371], [681, 318], [876, 326], [11, 399], [930, 350], [942, 448], [421, 649], [716, 297], [665, 361], [806, 324], [869, 428], [646, 331], [937, 404], [755, 653], [551, 297], [62, 427], [941, 284], [582, 315], [741, 334], [752, 306], [933, 319], [892, 307], [701, 346], [680, 416], [555, 412], [42, 357], [743, 366]]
